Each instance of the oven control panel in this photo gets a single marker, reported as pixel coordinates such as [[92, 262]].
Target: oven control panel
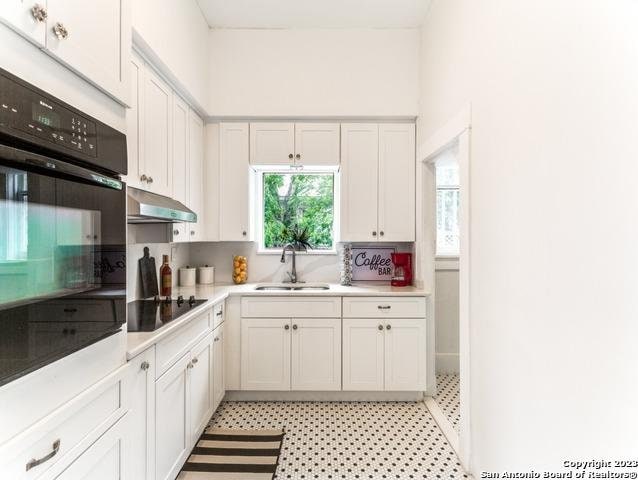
[[41, 117]]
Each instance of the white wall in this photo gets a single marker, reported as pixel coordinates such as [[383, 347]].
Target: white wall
[[553, 191], [314, 72], [446, 304], [176, 31]]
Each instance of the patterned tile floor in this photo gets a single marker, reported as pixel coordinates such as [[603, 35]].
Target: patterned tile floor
[[448, 397], [350, 440]]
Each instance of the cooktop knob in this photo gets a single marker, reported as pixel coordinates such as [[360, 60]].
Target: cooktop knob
[[180, 300], [191, 300]]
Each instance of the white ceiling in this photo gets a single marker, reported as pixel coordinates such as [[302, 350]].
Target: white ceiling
[[314, 13]]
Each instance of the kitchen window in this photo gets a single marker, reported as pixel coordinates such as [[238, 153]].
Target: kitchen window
[[447, 209], [296, 200]]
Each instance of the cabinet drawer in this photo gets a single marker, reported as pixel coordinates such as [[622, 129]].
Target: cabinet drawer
[[57, 436], [170, 349], [292, 306], [384, 307], [218, 315]]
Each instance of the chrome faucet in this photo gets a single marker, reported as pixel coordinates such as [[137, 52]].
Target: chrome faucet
[[293, 273]]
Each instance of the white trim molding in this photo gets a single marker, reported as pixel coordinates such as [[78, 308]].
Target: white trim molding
[[445, 135]]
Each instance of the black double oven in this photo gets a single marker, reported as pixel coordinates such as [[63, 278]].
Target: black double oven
[[62, 229]]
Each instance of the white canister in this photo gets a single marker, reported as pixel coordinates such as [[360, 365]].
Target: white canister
[[187, 276], [206, 275]]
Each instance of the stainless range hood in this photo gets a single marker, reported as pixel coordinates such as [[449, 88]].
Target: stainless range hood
[[147, 207]]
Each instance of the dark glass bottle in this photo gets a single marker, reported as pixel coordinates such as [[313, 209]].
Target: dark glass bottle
[[166, 278]]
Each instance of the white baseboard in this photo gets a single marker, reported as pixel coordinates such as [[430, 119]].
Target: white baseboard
[[265, 396], [447, 362]]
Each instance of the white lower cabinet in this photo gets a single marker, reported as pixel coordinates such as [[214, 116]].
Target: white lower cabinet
[[384, 354], [316, 354], [219, 385], [201, 386], [172, 427], [265, 354], [105, 459], [141, 385]]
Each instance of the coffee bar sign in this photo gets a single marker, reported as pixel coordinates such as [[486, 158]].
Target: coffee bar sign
[[372, 263]]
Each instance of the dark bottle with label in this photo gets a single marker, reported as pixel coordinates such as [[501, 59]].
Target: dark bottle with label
[[166, 278]]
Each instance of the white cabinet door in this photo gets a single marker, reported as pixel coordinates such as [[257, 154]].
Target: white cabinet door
[[363, 354], [196, 175], [201, 386], [135, 123], [172, 411], [234, 183], [316, 354], [158, 109], [265, 354], [317, 144], [397, 199], [219, 388], [104, 460], [93, 38], [21, 16], [359, 182], [141, 386], [180, 150], [405, 346], [272, 143]]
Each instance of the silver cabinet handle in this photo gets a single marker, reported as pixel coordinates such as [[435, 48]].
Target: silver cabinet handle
[[384, 307], [298, 156], [192, 232], [60, 31], [220, 313], [286, 327], [388, 327], [195, 360], [39, 13], [176, 232], [35, 462], [290, 156], [145, 365], [190, 365], [294, 327], [216, 339], [150, 179], [143, 178], [381, 233], [374, 233], [380, 327], [244, 233]]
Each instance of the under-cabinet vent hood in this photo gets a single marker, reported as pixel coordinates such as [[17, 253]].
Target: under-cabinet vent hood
[[147, 207]]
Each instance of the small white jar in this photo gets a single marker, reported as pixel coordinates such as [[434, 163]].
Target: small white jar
[[187, 276], [206, 275]]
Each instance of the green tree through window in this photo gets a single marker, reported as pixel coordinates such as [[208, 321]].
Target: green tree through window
[[303, 199]]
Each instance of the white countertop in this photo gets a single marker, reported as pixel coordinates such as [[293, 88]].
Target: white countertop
[[137, 342]]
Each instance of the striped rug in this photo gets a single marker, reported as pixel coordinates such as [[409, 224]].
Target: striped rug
[[224, 454]]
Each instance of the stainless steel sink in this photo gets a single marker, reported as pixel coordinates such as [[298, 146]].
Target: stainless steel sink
[[283, 287]]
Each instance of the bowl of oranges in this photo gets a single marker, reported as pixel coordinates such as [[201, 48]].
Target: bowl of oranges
[[240, 269]]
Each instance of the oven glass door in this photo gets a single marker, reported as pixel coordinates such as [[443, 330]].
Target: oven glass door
[[62, 263]]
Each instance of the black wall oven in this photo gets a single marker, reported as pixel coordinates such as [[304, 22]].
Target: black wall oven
[[62, 229]]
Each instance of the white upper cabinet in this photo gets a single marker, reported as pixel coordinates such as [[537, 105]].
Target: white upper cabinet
[[180, 150], [158, 126], [272, 143], [134, 123], [91, 38], [234, 183], [378, 182], [317, 144], [397, 197], [196, 175], [29, 18], [313, 144], [359, 181]]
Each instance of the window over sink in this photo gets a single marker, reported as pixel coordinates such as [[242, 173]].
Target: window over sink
[[296, 200]]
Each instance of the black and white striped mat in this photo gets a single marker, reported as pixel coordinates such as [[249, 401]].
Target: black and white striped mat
[[224, 454]]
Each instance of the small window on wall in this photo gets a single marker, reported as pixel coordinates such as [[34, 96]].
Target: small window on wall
[[299, 202], [447, 206]]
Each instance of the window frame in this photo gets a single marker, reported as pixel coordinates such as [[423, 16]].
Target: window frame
[[259, 204], [447, 188]]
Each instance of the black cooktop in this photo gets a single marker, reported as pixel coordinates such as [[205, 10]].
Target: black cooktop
[[149, 315]]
